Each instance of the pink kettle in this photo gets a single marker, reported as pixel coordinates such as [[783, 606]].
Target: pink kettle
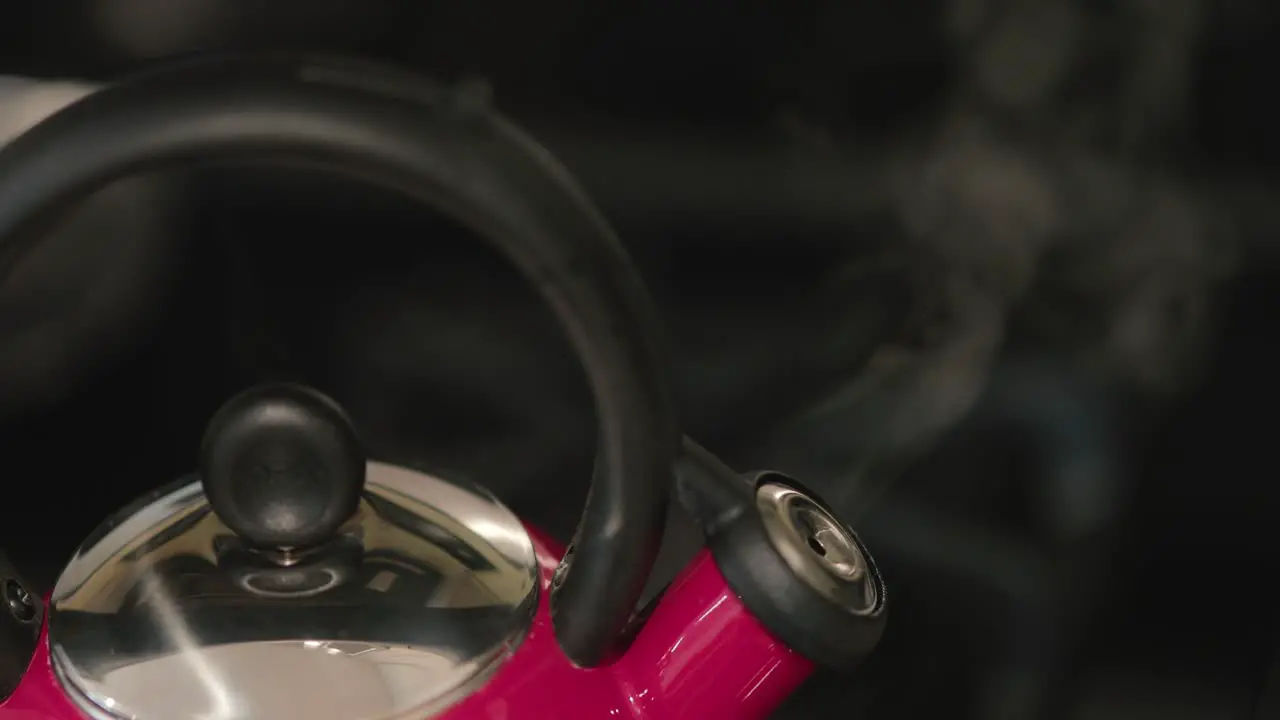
[[293, 577]]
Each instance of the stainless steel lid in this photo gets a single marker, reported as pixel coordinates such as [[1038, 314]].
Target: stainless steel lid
[[164, 614]]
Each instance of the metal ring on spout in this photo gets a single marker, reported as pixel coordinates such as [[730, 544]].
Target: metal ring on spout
[[397, 131]]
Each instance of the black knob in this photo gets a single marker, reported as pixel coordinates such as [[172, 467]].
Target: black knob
[[282, 466]]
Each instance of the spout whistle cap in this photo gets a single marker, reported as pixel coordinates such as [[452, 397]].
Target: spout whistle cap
[[804, 575]]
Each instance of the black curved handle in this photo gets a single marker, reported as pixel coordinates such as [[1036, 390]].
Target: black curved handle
[[398, 131]]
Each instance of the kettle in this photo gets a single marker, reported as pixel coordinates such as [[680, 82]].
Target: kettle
[[292, 576]]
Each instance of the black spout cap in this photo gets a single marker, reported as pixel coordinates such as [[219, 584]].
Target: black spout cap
[[802, 573]]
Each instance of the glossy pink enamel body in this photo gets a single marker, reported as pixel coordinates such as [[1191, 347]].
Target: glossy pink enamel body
[[700, 655]]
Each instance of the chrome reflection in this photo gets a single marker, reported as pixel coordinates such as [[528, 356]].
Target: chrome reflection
[[164, 614]]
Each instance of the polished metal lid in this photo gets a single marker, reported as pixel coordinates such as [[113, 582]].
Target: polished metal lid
[[165, 614]]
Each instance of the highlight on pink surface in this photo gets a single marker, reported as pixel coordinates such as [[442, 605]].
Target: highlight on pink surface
[[701, 654], [40, 696]]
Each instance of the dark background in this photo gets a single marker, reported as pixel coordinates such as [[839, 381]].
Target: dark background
[[997, 277]]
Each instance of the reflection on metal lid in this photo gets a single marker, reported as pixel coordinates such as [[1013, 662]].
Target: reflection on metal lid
[[165, 615]]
